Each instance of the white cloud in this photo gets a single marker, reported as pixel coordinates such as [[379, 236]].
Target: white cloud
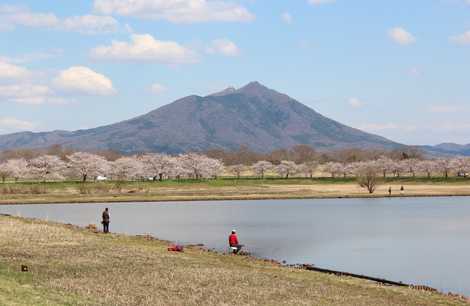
[[10, 124], [12, 16], [83, 80], [24, 86], [177, 11], [224, 47], [355, 103], [146, 47], [320, 2], [401, 36], [26, 93], [157, 88], [12, 72], [32, 57], [461, 39], [91, 24], [286, 17]]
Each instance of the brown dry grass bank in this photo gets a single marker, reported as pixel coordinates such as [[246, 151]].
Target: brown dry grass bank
[[71, 266]]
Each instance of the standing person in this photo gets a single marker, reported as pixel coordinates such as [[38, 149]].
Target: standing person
[[105, 221], [235, 246], [390, 191], [402, 190]]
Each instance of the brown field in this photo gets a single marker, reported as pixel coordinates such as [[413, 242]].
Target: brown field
[[72, 266]]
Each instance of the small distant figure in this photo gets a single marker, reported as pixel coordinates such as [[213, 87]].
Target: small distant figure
[[105, 221], [402, 189], [390, 191], [235, 246]]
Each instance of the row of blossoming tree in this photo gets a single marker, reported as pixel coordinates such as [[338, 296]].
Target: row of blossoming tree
[[88, 167], [383, 166]]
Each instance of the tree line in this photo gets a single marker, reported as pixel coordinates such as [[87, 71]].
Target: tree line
[[304, 153], [87, 166]]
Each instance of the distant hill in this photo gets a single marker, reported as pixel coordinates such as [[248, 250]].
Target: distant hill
[[253, 115], [450, 149]]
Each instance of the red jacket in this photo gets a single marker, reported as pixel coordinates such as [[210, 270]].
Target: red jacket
[[233, 240]]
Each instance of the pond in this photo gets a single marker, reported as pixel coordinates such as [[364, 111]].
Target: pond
[[414, 240]]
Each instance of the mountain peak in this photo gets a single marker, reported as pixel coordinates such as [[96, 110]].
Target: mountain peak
[[251, 89], [226, 91], [254, 87], [258, 90]]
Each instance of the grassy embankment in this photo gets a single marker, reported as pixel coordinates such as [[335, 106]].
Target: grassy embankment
[[71, 266], [222, 189]]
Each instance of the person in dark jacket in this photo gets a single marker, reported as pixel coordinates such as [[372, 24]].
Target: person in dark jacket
[[105, 222], [235, 246]]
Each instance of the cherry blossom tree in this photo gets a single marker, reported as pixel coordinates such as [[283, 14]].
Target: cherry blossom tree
[[177, 170], [47, 167], [445, 166], [4, 172], [212, 168], [427, 167], [348, 169], [127, 168], [286, 168], [308, 168], [386, 165], [461, 165], [311, 167], [398, 168], [199, 166], [157, 165], [237, 170], [333, 168], [260, 168], [16, 168], [353, 167], [410, 166], [192, 164], [87, 165]]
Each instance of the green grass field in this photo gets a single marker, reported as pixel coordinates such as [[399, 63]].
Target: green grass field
[[222, 189], [246, 181]]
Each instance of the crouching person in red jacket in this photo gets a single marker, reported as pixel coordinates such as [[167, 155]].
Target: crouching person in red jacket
[[235, 246]]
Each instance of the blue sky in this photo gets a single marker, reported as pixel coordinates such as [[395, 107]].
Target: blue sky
[[396, 68]]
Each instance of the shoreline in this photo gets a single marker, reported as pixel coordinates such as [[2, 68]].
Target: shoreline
[[302, 267], [156, 199], [257, 280]]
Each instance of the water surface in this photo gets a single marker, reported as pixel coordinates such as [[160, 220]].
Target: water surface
[[417, 240]]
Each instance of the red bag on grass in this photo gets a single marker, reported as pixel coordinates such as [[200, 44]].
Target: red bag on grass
[[176, 248]]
